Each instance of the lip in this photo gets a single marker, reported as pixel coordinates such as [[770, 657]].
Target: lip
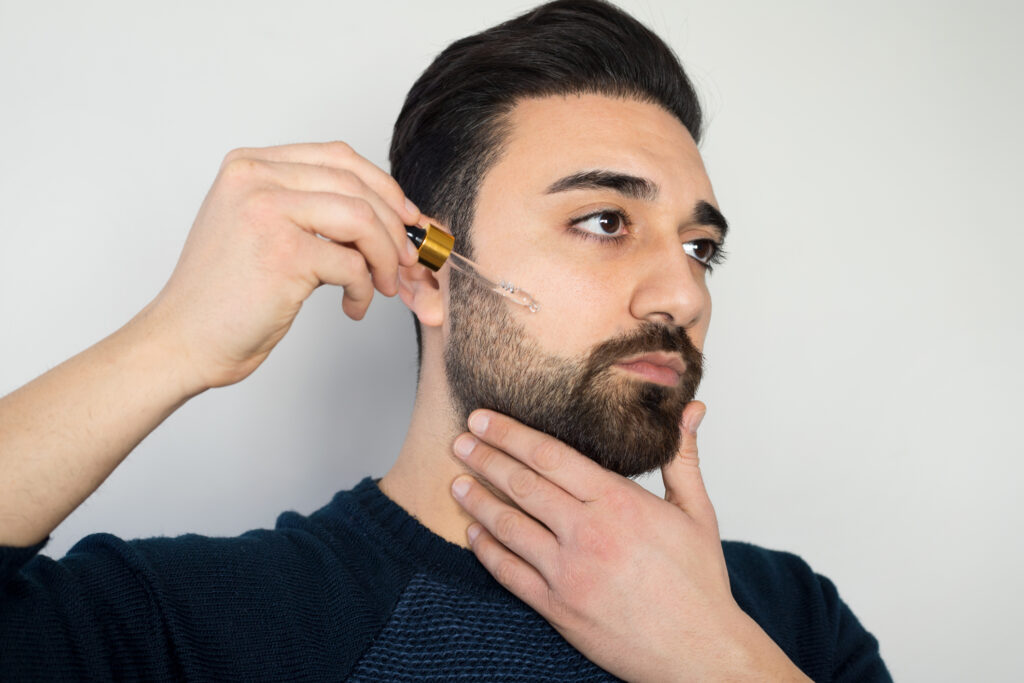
[[659, 367]]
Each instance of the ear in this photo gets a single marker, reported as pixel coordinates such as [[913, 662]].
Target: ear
[[418, 287]]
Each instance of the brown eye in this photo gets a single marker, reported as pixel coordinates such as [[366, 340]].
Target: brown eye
[[609, 222], [603, 223], [702, 250]]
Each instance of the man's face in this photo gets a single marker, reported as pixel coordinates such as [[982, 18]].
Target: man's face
[[589, 209]]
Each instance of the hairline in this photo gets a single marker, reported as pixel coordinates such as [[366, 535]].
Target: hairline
[[500, 129]]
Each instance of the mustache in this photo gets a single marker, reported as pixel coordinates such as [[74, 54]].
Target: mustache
[[647, 338]]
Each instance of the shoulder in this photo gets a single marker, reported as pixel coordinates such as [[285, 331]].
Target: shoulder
[[754, 566], [312, 576], [802, 612], [776, 586]]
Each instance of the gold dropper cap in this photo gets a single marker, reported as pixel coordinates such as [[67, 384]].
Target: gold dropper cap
[[433, 243]]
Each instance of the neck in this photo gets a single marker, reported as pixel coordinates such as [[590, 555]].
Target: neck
[[421, 478]]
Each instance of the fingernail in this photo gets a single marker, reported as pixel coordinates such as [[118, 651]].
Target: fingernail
[[460, 486], [464, 445], [694, 422], [410, 207], [473, 531], [478, 423]]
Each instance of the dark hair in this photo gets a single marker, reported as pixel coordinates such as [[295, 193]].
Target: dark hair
[[453, 122]]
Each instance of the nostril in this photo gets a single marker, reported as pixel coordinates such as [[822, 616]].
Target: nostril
[[661, 316]]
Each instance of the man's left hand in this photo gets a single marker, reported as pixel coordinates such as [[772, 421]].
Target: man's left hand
[[636, 583]]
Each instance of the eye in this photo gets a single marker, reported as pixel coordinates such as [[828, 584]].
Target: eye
[[704, 251], [606, 223]]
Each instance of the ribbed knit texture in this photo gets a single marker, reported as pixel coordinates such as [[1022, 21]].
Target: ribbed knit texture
[[358, 590]]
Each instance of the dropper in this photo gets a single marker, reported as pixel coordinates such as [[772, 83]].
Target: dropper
[[435, 249]]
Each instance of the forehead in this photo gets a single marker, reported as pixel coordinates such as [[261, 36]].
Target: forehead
[[551, 137]]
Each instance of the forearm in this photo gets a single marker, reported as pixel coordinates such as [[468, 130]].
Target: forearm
[[62, 434]]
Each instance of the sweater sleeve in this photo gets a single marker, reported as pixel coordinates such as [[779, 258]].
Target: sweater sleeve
[[265, 605], [88, 616]]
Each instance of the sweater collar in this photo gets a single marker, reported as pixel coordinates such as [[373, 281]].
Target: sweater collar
[[409, 539]]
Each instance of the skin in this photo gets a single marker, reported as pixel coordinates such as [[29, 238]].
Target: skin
[[519, 234], [279, 222], [637, 583]]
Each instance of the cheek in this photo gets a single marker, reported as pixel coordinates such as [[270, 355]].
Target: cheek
[[577, 307]]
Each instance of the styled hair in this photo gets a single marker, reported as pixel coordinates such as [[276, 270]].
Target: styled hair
[[455, 118]]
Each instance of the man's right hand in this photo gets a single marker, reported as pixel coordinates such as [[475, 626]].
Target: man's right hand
[[277, 223]]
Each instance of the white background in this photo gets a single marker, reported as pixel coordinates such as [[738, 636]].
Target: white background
[[864, 357]]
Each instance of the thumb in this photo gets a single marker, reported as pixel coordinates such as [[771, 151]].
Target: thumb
[[684, 486]]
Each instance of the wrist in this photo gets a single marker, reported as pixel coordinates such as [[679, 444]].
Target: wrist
[[149, 343], [753, 655]]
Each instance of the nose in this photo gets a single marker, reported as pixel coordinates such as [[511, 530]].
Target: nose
[[671, 288]]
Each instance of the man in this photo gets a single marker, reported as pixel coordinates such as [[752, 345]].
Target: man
[[560, 149]]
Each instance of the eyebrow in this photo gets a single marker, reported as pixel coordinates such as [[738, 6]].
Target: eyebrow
[[631, 186], [706, 214], [635, 187]]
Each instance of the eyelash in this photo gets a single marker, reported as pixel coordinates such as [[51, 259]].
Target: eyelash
[[716, 259]]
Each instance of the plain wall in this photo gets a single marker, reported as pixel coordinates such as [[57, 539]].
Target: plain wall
[[864, 357]]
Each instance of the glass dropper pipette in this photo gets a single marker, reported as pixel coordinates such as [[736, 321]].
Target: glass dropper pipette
[[435, 249]]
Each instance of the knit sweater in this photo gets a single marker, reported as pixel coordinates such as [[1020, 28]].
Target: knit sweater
[[359, 590]]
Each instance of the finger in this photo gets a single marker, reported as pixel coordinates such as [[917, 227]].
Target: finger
[[346, 220], [540, 498], [583, 478], [337, 155], [684, 485], [345, 267], [510, 570], [311, 178], [514, 529]]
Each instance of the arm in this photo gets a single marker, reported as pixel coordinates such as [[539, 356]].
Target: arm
[[253, 256], [250, 607], [62, 434]]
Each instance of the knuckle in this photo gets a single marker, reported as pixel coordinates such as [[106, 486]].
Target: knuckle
[[505, 572], [361, 210], [358, 295], [362, 285], [340, 149], [349, 181], [523, 482], [548, 455], [483, 457], [505, 525], [354, 264], [240, 169], [235, 154], [688, 453]]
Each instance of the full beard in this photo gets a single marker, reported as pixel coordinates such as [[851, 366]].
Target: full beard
[[624, 424]]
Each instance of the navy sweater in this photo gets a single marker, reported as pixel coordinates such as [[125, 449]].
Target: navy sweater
[[358, 590]]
